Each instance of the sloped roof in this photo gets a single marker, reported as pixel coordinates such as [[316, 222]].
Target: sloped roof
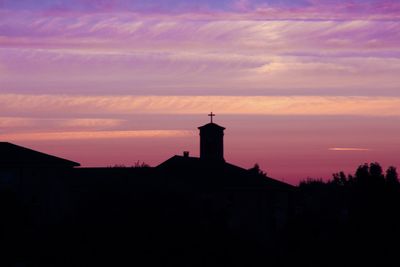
[[192, 163], [13, 155], [219, 172], [211, 125]]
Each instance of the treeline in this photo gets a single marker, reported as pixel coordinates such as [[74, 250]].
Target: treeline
[[366, 176], [350, 220]]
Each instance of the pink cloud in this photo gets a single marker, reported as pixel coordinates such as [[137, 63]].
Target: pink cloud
[[139, 52]]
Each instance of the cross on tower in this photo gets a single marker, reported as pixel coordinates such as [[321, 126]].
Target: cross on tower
[[211, 116]]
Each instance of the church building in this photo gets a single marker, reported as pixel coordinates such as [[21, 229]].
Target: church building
[[252, 203], [210, 208]]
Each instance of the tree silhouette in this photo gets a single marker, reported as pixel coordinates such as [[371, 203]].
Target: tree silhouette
[[339, 179], [370, 175], [376, 174], [362, 174], [392, 179], [257, 170], [350, 215]]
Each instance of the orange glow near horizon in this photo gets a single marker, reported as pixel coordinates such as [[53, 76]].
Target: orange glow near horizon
[[92, 135], [257, 105]]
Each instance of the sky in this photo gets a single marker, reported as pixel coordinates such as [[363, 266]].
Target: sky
[[305, 88]]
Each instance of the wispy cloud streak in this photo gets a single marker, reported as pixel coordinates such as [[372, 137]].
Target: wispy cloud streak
[[93, 135], [134, 52], [298, 9], [349, 149], [56, 105]]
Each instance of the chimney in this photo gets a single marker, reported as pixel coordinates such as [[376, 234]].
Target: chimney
[[185, 154]]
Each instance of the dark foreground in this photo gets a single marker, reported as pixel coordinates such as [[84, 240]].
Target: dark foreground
[[197, 217]]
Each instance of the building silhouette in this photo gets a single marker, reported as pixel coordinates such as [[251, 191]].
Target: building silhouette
[[212, 209], [14, 156], [17, 163]]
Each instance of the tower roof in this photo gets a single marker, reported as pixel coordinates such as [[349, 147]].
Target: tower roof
[[211, 125]]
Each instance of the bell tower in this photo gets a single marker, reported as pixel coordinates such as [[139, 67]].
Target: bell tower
[[212, 141]]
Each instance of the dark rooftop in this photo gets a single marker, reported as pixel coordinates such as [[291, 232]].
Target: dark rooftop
[[12, 155], [219, 172], [211, 125]]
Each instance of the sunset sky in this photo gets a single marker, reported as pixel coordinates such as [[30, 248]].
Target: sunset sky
[[305, 88]]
